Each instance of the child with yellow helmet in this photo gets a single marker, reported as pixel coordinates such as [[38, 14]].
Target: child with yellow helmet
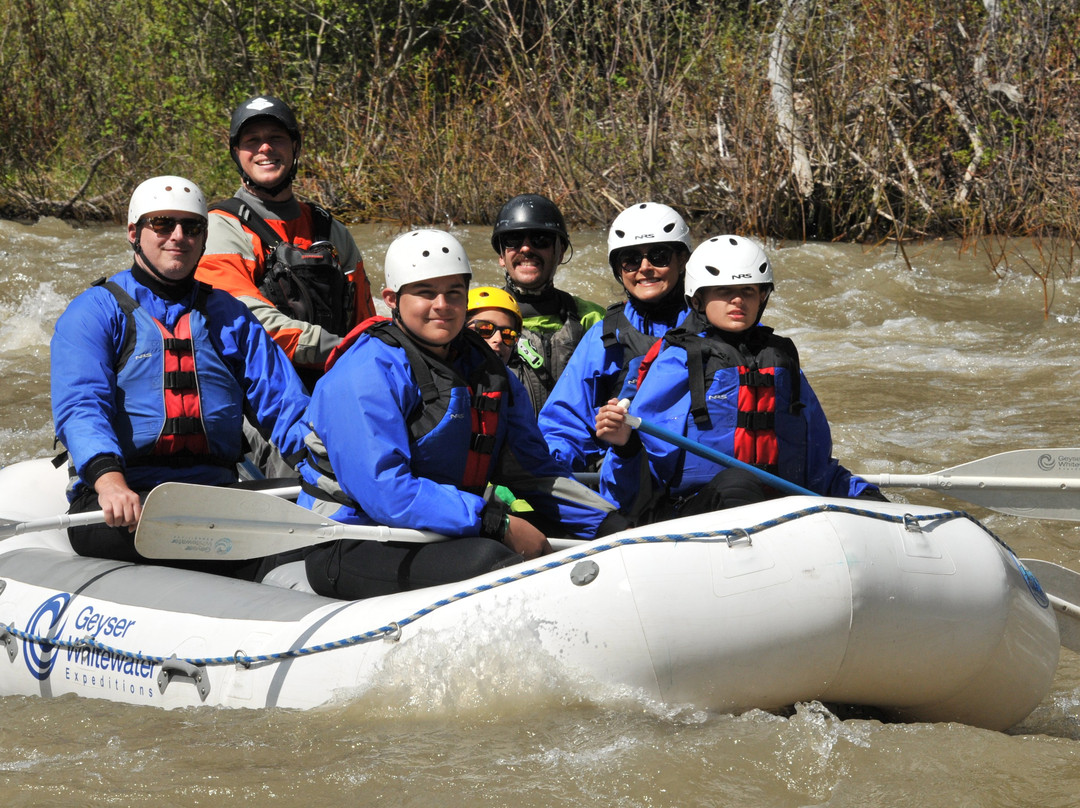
[[495, 316]]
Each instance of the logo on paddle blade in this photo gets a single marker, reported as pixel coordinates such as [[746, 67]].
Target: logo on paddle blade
[[40, 658]]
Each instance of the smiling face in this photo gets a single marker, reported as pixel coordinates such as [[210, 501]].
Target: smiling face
[[265, 152], [432, 310], [172, 255], [730, 308], [531, 267], [500, 318], [645, 281]]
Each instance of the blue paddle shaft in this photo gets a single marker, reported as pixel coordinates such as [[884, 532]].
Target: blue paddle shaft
[[717, 457]]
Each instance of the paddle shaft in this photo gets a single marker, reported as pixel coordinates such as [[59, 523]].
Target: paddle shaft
[[719, 458]]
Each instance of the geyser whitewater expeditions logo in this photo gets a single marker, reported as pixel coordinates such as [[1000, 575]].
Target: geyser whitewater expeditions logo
[[40, 658], [1050, 462]]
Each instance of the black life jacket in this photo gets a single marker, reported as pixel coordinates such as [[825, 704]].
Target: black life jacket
[[541, 357], [619, 333], [305, 284]]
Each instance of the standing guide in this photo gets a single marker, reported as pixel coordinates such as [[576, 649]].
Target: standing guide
[[530, 238], [723, 380], [648, 245], [152, 373], [294, 265], [413, 420]]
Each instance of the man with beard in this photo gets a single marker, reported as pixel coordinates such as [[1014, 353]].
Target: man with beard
[[530, 239]]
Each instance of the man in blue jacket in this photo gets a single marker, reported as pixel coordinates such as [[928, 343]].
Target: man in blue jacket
[[152, 373], [415, 417]]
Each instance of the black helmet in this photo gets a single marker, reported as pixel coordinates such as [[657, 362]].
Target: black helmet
[[529, 212], [265, 106]]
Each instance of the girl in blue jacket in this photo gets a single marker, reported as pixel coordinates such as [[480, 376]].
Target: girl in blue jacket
[[723, 380], [648, 245]]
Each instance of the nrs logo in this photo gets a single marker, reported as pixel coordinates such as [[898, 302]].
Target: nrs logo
[[44, 622]]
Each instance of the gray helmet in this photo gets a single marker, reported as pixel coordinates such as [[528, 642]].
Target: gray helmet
[[529, 212], [273, 109]]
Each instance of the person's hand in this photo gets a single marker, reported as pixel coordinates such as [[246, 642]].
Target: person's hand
[[611, 425], [120, 505], [524, 538]]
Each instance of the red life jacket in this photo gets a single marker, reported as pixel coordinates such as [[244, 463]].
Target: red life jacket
[[183, 430]]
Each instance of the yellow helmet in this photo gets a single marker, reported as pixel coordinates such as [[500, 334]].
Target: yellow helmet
[[489, 297]]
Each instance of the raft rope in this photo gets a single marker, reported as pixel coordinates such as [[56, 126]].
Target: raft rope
[[392, 631]]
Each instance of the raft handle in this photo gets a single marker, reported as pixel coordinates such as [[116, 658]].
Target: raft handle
[[734, 537], [173, 668]]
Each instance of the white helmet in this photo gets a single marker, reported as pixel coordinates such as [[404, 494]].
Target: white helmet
[[421, 255], [166, 193], [727, 261], [646, 223]]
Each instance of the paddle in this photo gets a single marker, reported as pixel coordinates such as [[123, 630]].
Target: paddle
[[1039, 483], [202, 523], [1042, 483], [1062, 586], [708, 453], [64, 520]]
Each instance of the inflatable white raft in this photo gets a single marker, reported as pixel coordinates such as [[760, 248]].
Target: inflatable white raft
[[917, 612]]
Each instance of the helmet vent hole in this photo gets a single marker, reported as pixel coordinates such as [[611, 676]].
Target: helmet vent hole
[[620, 233], [426, 254], [763, 268], [446, 251], [712, 271], [734, 241], [669, 227]]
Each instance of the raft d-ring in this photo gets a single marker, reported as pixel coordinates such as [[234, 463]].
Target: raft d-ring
[[10, 644], [912, 524], [394, 634], [241, 659], [733, 537]]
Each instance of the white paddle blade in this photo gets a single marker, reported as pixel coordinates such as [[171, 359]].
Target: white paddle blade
[[207, 523], [1063, 587], [1041, 483]]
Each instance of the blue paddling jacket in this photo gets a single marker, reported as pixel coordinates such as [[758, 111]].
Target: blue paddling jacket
[[112, 383], [392, 439], [741, 394], [604, 365]]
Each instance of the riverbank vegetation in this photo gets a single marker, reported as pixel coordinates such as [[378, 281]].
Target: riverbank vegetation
[[861, 120]]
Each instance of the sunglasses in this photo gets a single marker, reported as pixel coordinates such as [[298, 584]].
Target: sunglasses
[[538, 239], [165, 225], [486, 329], [630, 260]]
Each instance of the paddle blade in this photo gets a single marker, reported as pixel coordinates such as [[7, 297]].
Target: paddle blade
[[1041, 483], [205, 523]]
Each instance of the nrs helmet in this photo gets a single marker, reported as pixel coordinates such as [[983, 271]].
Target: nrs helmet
[[421, 255], [166, 193], [729, 261], [646, 223], [488, 297], [529, 212], [272, 109]]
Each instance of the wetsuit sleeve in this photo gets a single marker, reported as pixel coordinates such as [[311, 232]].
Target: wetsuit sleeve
[[359, 411], [824, 473], [83, 353], [568, 417], [234, 262], [525, 466], [589, 313], [276, 398]]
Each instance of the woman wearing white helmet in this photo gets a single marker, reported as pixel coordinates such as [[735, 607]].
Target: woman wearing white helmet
[[152, 373], [736, 387], [408, 427], [648, 245]]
